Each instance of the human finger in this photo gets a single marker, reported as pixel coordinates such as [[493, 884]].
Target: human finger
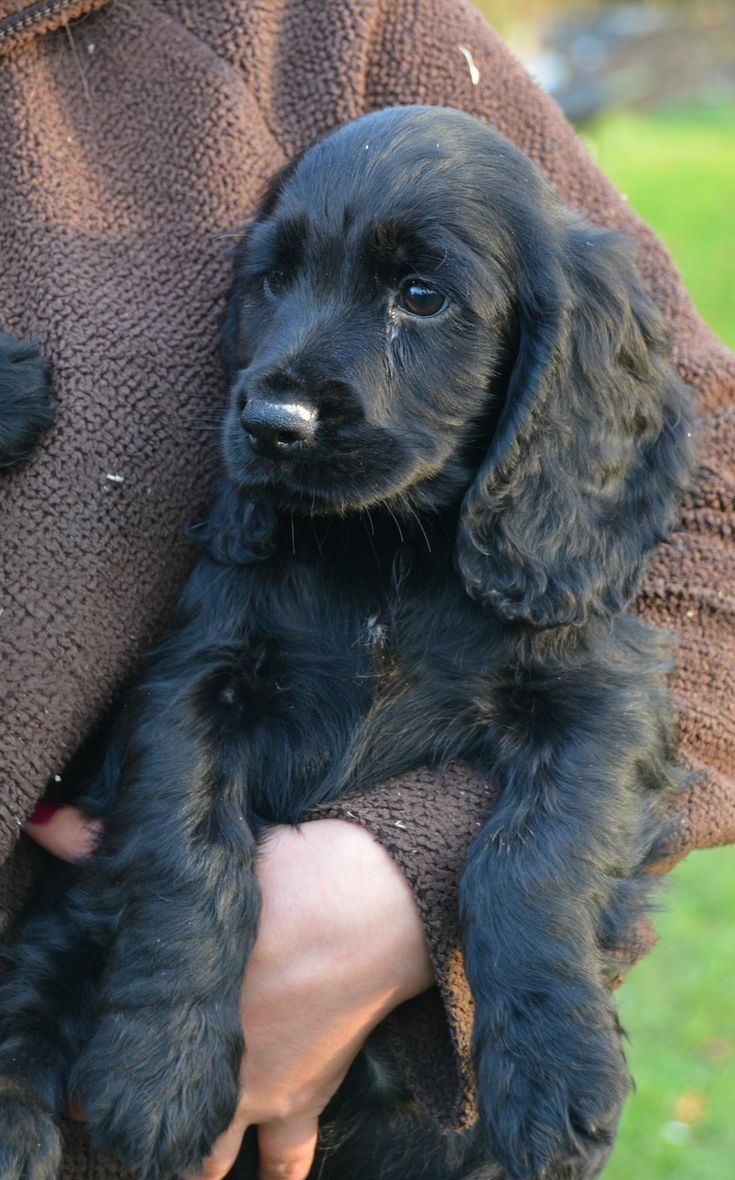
[[286, 1148], [220, 1160], [63, 831]]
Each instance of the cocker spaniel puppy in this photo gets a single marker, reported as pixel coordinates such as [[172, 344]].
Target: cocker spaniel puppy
[[454, 435]]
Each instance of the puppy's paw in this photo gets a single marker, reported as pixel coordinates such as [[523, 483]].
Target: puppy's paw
[[26, 405], [551, 1092], [30, 1141], [158, 1088]]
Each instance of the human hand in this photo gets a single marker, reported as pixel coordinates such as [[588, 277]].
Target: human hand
[[340, 944], [63, 831]]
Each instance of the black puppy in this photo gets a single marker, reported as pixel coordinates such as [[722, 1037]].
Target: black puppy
[[454, 435]]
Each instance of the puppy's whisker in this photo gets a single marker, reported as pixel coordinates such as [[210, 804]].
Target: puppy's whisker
[[319, 541], [327, 530], [397, 524], [211, 427], [228, 235], [417, 518], [370, 536], [213, 419]]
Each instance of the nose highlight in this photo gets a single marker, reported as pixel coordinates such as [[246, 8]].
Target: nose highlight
[[278, 429]]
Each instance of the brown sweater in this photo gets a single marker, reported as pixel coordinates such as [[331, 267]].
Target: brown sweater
[[133, 138]]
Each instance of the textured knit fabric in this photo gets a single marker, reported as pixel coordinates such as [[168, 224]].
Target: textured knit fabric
[[134, 139]]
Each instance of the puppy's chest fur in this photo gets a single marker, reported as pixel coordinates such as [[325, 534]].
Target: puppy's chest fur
[[316, 685]]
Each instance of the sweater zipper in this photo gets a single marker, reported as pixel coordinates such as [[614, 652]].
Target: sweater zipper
[[31, 15]]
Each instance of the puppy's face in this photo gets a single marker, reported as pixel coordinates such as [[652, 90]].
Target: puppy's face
[[369, 317], [416, 319]]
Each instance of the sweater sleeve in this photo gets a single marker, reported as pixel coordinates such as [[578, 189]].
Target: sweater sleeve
[[426, 821]]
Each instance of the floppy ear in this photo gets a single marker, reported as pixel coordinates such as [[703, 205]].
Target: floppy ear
[[594, 447]]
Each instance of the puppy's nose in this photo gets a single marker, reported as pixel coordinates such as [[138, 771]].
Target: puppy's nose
[[278, 429]]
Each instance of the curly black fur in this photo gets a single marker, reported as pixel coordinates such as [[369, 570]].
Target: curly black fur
[[426, 556], [26, 408]]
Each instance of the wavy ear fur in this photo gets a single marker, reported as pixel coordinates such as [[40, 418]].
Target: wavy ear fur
[[594, 448]]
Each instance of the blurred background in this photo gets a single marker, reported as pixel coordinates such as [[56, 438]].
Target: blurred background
[[650, 87]]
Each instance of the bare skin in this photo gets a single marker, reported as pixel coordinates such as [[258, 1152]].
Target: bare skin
[[326, 968]]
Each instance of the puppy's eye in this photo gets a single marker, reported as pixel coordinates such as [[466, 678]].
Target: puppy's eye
[[274, 282], [418, 297]]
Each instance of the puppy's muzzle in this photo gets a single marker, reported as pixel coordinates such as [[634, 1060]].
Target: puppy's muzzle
[[279, 430]]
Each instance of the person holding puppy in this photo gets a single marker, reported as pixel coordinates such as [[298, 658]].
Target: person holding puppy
[[158, 127]]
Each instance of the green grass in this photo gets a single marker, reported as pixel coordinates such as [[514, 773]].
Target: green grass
[[678, 1007], [677, 168]]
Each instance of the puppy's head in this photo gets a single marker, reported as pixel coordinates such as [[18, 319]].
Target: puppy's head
[[417, 320]]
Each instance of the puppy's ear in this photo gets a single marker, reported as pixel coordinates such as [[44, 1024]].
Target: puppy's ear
[[594, 447], [230, 343], [26, 403]]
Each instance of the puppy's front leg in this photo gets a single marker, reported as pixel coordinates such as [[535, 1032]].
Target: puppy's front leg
[[159, 1077], [551, 1074]]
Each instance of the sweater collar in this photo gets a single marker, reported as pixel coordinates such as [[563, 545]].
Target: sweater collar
[[21, 22]]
